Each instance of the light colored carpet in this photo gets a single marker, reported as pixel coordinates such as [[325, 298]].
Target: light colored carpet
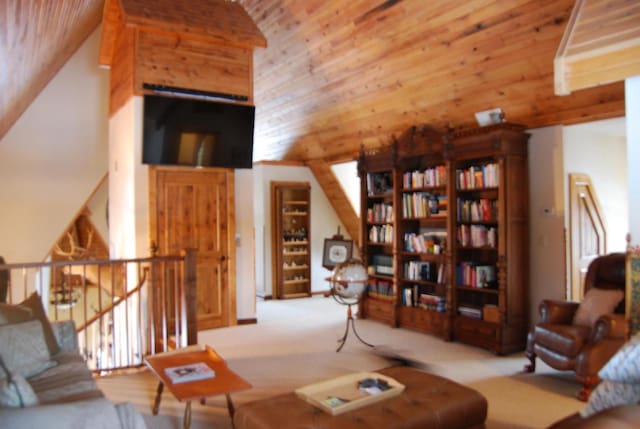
[[294, 343]]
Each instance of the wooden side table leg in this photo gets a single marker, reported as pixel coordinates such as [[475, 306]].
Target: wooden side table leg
[[230, 407], [187, 415], [156, 403]]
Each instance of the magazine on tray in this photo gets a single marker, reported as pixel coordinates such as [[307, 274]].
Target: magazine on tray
[[190, 372]]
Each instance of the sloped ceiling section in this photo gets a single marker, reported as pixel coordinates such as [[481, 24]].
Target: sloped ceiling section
[[36, 40], [340, 74]]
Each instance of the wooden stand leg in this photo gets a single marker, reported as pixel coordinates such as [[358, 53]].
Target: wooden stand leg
[[156, 403], [230, 407], [187, 415]]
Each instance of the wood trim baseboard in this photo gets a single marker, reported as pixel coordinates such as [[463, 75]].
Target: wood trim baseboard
[[251, 321]]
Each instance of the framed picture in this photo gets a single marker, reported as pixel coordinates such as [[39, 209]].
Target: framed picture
[[336, 251]]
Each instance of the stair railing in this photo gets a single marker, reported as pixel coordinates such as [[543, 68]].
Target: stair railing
[[123, 309]]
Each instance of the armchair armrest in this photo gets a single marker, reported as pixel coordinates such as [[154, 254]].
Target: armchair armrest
[[557, 312], [611, 326], [66, 335], [607, 336]]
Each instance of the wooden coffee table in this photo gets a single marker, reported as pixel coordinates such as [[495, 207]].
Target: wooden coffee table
[[224, 382]]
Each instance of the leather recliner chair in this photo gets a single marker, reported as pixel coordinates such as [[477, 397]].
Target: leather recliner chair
[[583, 349]]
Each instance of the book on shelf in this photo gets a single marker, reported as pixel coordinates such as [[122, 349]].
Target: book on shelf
[[380, 289], [430, 177], [381, 234], [432, 302], [481, 210], [423, 204], [189, 372], [470, 274], [380, 212], [420, 270], [407, 297], [477, 236], [430, 241], [474, 313], [478, 176]]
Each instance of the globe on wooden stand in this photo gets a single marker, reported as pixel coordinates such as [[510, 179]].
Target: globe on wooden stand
[[348, 284]]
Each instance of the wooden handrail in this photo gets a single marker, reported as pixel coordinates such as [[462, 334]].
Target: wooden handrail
[[23, 265], [115, 303]]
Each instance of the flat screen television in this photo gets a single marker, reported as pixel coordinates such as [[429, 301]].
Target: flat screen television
[[199, 133]]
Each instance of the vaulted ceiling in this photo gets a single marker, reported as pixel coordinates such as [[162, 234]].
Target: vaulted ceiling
[[340, 74]]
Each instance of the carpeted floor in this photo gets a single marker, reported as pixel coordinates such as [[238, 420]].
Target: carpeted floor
[[294, 343]]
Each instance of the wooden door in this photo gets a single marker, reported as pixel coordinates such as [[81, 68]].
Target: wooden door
[[194, 209], [587, 231]]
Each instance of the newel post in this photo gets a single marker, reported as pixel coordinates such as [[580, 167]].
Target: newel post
[[190, 306]]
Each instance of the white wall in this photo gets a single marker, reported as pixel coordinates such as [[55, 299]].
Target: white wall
[[632, 97], [347, 175], [128, 184], [324, 224], [97, 205], [554, 152], [546, 217], [245, 245], [54, 156], [594, 149]]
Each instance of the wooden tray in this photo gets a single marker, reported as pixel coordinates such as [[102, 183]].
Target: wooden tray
[[345, 391]]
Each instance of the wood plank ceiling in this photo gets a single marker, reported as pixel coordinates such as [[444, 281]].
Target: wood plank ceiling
[[340, 74]]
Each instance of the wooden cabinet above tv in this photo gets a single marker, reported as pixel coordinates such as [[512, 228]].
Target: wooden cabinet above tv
[[178, 45]]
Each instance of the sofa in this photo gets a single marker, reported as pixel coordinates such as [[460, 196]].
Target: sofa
[[44, 380], [621, 417]]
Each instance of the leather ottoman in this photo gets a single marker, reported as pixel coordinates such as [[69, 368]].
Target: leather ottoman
[[429, 401]]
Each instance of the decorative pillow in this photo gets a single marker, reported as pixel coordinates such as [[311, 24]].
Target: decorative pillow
[[24, 350], [35, 304], [624, 366], [596, 303], [14, 314], [17, 393], [609, 394]]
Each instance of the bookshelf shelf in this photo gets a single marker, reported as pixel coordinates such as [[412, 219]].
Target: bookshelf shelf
[[477, 289], [380, 277]]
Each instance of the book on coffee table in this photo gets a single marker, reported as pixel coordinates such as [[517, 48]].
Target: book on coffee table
[[189, 372]]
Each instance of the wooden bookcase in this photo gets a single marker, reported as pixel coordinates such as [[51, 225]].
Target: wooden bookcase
[[459, 206], [491, 229], [378, 216], [424, 231], [291, 247]]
